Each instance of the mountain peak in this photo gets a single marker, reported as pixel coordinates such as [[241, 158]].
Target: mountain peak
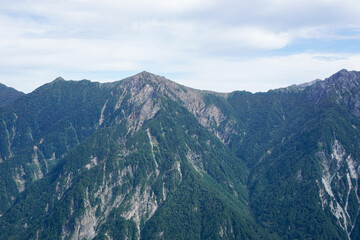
[[341, 81], [343, 71], [59, 79], [344, 86], [146, 73], [344, 75], [147, 76]]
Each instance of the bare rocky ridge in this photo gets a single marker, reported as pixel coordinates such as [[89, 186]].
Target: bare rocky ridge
[[344, 86], [144, 88]]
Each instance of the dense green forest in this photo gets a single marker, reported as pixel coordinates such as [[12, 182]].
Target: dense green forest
[[146, 158]]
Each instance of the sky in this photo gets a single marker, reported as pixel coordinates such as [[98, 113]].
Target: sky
[[219, 45]]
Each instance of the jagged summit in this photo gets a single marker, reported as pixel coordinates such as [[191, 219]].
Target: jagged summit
[[344, 77], [59, 79], [145, 76], [343, 86], [343, 80]]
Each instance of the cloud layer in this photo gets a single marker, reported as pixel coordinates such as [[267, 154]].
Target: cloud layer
[[207, 44]]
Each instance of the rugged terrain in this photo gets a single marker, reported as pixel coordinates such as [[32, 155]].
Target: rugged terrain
[[146, 158]]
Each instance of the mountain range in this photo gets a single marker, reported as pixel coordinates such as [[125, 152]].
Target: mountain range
[[147, 158]]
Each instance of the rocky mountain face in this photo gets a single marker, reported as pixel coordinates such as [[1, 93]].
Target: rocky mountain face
[[146, 158], [342, 86]]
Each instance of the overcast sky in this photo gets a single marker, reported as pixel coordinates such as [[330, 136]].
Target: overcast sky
[[220, 45]]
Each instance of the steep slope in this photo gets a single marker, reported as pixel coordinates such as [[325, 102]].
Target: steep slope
[[40, 128], [289, 178], [171, 165], [147, 158], [302, 150], [45, 124], [8, 95], [339, 153]]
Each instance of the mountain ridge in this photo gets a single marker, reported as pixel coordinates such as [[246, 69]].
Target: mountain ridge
[[138, 157], [342, 75], [8, 95]]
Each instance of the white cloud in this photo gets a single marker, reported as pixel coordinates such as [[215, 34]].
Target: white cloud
[[223, 75], [248, 37], [261, 74], [202, 40]]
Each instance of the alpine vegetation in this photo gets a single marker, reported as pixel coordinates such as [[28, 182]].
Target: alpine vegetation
[[147, 158]]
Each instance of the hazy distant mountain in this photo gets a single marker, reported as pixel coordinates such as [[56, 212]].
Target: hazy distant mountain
[[146, 158], [8, 95]]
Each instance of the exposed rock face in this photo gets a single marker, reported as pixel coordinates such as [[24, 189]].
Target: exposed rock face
[[144, 87], [343, 86], [210, 116], [101, 120], [19, 179], [138, 202], [139, 95], [142, 206], [195, 160], [340, 172], [153, 142], [85, 226], [38, 174]]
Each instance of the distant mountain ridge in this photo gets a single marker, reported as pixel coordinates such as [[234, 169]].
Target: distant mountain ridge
[[147, 158], [8, 95]]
